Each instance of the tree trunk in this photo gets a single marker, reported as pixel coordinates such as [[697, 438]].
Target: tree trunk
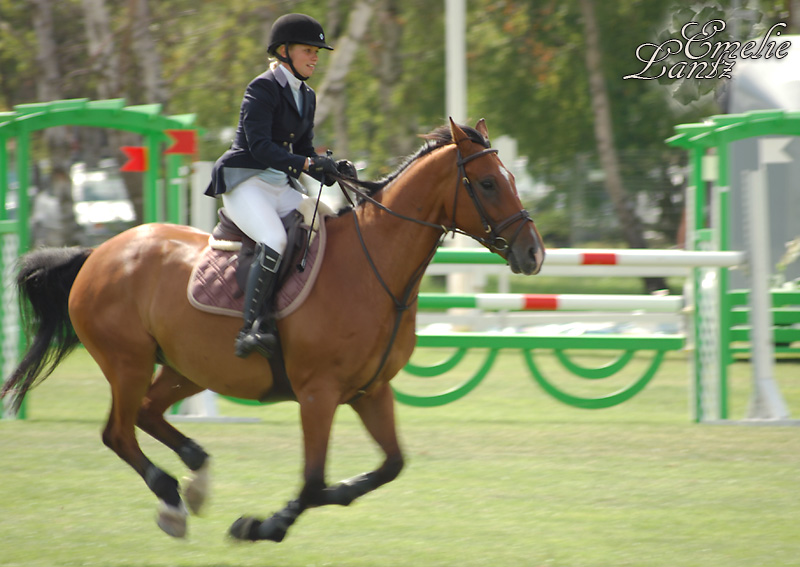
[[333, 84], [96, 143], [141, 45], [334, 24], [59, 140], [623, 206], [390, 72], [102, 56], [794, 16], [146, 52]]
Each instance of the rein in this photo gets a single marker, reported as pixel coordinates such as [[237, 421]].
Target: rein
[[403, 303]]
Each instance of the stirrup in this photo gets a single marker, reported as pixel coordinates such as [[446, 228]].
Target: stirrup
[[264, 342]]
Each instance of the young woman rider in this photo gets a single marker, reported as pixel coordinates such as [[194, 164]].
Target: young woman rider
[[257, 176]]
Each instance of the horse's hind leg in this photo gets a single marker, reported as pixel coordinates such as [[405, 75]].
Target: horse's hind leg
[[168, 388], [129, 376]]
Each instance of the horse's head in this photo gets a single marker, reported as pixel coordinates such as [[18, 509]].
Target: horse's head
[[486, 205]]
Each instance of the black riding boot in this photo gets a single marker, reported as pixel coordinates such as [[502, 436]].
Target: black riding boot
[[258, 332]]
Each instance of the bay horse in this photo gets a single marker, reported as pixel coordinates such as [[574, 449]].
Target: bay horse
[[126, 302]]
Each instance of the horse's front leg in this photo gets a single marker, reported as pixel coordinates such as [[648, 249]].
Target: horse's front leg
[[377, 413], [317, 409]]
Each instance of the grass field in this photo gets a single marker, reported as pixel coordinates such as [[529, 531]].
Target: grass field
[[504, 477]]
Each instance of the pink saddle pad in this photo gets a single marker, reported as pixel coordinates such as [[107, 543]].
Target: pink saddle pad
[[213, 288]]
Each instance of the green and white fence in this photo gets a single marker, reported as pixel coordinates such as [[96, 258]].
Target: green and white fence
[[162, 180], [703, 333], [11, 340]]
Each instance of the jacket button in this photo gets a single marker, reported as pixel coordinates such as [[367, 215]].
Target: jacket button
[[285, 144], [291, 135]]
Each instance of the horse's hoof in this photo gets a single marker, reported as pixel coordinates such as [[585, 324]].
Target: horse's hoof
[[197, 487], [245, 529], [248, 528], [172, 519], [273, 529]]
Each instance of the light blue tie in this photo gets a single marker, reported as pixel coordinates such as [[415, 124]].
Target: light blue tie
[[298, 99]]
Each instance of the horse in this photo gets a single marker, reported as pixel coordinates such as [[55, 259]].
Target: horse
[[126, 302]]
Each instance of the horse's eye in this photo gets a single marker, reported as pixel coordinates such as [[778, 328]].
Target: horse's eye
[[488, 184]]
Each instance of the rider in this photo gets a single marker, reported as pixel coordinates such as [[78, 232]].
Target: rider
[[258, 176]]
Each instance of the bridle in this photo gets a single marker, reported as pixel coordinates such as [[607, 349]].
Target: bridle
[[493, 230], [493, 240]]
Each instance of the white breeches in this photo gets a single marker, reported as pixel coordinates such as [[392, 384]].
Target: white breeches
[[257, 207]]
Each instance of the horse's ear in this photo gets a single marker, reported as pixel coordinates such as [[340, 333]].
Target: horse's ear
[[457, 133], [481, 127]]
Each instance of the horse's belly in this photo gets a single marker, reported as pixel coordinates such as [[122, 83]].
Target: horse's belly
[[201, 347]]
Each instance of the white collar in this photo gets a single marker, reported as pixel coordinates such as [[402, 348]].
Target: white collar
[[294, 82]]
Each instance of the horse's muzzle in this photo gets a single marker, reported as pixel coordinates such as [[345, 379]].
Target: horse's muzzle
[[526, 258]]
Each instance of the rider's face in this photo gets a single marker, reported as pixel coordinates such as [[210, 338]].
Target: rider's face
[[304, 58]]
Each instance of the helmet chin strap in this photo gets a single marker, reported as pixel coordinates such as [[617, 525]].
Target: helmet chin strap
[[288, 60]]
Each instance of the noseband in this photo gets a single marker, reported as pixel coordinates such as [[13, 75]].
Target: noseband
[[493, 240]]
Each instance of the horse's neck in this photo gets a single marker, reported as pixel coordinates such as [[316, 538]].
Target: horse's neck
[[399, 246]]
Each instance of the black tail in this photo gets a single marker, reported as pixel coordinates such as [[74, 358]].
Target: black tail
[[44, 282]]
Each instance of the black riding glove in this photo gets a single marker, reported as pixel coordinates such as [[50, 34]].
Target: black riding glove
[[322, 168]]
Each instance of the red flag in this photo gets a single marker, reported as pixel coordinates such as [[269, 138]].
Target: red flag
[[137, 158], [185, 142]]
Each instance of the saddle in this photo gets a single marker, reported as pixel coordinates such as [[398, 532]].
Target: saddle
[[218, 279]]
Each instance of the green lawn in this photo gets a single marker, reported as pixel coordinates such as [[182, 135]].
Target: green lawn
[[504, 477]]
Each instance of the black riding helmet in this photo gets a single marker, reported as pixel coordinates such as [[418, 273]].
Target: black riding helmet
[[295, 28]]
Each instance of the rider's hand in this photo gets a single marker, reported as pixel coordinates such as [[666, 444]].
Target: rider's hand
[[323, 165]]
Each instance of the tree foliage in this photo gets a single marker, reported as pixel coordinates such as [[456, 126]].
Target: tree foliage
[[527, 70]]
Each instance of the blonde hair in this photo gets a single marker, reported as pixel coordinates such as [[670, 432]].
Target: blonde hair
[[274, 61]]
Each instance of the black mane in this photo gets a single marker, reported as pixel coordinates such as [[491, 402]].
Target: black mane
[[441, 136]]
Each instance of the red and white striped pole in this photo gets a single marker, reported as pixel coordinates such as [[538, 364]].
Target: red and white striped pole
[[552, 302]]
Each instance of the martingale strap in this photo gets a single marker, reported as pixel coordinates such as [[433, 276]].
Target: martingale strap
[[494, 241], [401, 305]]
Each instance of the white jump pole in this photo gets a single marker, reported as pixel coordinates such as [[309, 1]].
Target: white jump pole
[[644, 257], [555, 302]]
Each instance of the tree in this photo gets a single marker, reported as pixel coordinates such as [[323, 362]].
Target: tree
[[146, 52], [384, 84], [58, 139], [604, 134], [100, 43], [331, 92]]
